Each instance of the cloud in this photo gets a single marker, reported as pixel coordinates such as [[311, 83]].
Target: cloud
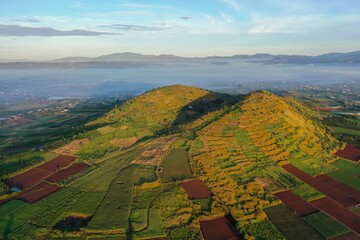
[[21, 31], [273, 26], [186, 18], [31, 20], [286, 24], [130, 27], [76, 5], [233, 4]]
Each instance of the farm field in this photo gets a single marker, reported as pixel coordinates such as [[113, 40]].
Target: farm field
[[175, 166], [195, 189], [35, 175], [350, 152], [325, 225], [114, 211], [67, 172], [300, 206], [307, 192], [340, 213], [219, 228], [330, 190], [348, 173], [290, 225], [48, 128]]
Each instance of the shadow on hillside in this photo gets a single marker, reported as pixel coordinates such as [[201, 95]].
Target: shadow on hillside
[[200, 107]]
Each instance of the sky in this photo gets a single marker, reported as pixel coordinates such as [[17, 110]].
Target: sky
[[44, 30]]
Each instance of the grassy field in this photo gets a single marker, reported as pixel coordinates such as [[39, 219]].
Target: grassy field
[[325, 225], [348, 173], [307, 192], [46, 212], [290, 225], [155, 226], [175, 166], [145, 174], [114, 211], [175, 207], [346, 131], [143, 196]]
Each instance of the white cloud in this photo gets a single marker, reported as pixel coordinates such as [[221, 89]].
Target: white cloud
[[286, 24], [233, 4], [76, 5]]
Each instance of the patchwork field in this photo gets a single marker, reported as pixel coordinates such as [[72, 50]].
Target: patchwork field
[[171, 163]]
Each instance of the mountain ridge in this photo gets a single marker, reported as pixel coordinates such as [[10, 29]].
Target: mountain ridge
[[332, 57]]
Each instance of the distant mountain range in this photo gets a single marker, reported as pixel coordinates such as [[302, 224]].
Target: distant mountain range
[[136, 58], [351, 57]]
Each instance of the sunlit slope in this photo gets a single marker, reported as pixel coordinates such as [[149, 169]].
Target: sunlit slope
[[156, 109], [241, 153], [152, 113]]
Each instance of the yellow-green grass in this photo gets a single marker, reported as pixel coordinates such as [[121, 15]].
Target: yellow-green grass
[[307, 192], [346, 131]]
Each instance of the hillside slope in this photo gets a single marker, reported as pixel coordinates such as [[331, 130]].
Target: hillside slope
[[152, 113], [243, 151]]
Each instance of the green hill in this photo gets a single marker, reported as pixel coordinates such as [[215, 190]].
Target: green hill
[[141, 150], [152, 113]]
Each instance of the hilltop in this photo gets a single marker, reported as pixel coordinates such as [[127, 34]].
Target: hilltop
[[152, 113], [176, 161]]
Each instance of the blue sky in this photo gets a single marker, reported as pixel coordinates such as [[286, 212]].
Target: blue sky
[[43, 29]]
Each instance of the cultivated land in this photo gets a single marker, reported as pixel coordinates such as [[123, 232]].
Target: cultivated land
[[184, 163]]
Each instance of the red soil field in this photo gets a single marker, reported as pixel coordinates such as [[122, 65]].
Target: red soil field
[[346, 236], [328, 189], [38, 192], [326, 109], [58, 162], [195, 189], [35, 175], [28, 179], [67, 172], [218, 229], [349, 191], [350, 152], [294, 202], [3, 200], [342, 214]]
